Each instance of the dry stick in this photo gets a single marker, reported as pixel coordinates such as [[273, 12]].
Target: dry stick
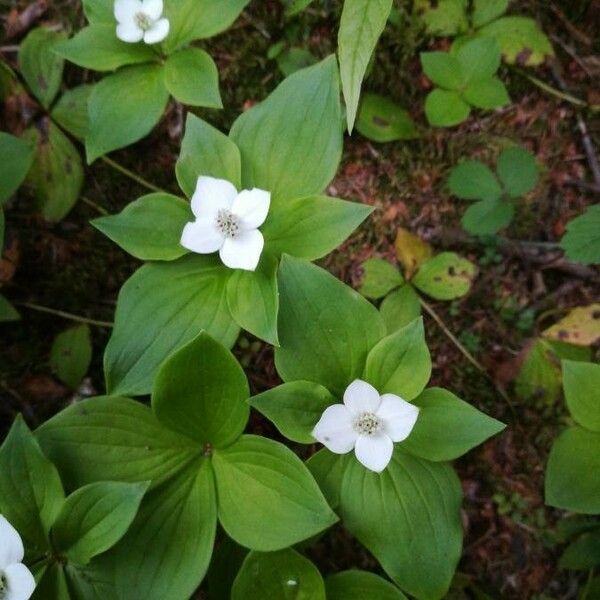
[[65, 315], [118, 167]]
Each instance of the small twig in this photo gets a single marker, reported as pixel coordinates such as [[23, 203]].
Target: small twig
[[552, 90], [65, 315], [256, 25], [95, 206], [118, 167]]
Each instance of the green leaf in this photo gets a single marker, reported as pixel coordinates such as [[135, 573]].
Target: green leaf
[[360, 585], [56, 173], [17, 157], [381, 120], [8, 312], [97, 47], [191, 76], [413, 501], [99, 11], [517, 171], [445, 108], [328, 469], [446, 276], [485, 11], [40, 67], [379, 278], [473, 180], [226, 561], [291, 143], [486, 217], [293, 59], [569, 485], [31, 493], [283, 574], [71, 355], [400, 308], [581, 381], [583, 553], [187, 296], [201, 392], [124, 107], [53, 584], [149, 228], [268, 499], [293, 7], [311, 227], [581, 242], [294, 408], [447, 427], [253, 299], [445, 17], [92, 582], [400, 363], [539, 377], [71, 110], [326, 329], [486, 93], [479, 59], [361, 24], [113, 439], [443, 69], [95, 517]]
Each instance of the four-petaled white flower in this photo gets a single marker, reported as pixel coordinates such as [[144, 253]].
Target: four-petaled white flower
[[16, 580], [141, 20], [368, 423], [227, 221]]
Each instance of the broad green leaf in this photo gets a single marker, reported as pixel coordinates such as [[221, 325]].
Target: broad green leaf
[[488, 93], [311, 227], [186, 296], [31, 492], [284, 574], [253, 299], [201, 392], [517, 170], [149, 228], [580, 327], [445, 108], [444, 17], [326, 329], [95, 517], [443, 69], [328, 469], [360, 585], [581, 381], [294, 408], [92, 582], [57, 173], [124, 107], [8, 312], [400, 308], [226, 561], [486, 217], [446, 276], [293, 59], [268, 499], [447, 427], [71, 110], [485, 11], [99, 11], [539, 376], [411, 251], [97, 47], [16, 158], [293, 7], [583, 553], [191, 76], [382, 120], [408, 517], [473, 180], [71, 355], [361, 25], [400, 363], [570, 484], [581, 242], [40, 67], [291, 143], [53, 584], [113, 439], [379, 278], [479, 59]]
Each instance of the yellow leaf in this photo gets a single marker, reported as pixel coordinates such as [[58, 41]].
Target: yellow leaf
[[581, 326], [411, 251]]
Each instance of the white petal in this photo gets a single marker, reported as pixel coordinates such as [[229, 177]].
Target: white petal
[[243, 251], [374, 451], [202, 236], [252, 206], [212, 195], [361, 397], [398, 416], [129, 32], [334, 429], [20, 583], [11, 546], [125, 10], [158, 32], [153, 8]]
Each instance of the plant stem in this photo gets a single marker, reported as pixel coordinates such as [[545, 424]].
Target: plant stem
[[65, 315], [95, 206], [123, 170], [552, 90]]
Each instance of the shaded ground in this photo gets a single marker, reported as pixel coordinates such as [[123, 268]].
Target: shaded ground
[[519, 290]]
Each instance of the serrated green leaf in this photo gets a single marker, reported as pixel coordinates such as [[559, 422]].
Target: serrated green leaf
[[486, 93], [479, 59], [473, 180], [443, 69], [487, 217], [581, 242], [71, 355], [517, 170], [445, 108]]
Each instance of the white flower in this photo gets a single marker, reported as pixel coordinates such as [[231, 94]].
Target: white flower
[[368, 423], [141, 20], [228, 222], [16, 580]]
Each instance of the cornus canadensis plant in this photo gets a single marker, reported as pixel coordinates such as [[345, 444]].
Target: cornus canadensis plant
[[16, 580]]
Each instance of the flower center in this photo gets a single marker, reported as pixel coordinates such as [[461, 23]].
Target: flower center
[[143, 21], [228, 223], [367, 423]]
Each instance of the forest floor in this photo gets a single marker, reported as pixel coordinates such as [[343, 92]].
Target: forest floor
[[510, 537]]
